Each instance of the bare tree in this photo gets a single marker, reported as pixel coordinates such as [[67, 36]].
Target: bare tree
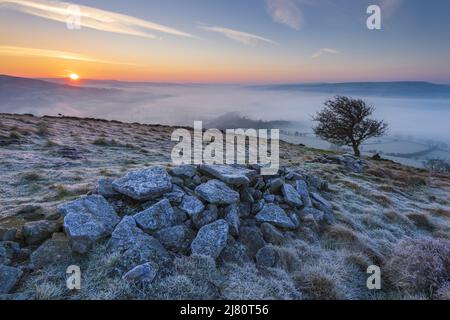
[[345, 122]]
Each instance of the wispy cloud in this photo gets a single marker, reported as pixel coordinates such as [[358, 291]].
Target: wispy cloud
[[239, 36], [390, 7], [92, 18], [286, 12], [323, 51], [56, 54]]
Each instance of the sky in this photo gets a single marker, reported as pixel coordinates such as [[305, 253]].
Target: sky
[[226, 41]]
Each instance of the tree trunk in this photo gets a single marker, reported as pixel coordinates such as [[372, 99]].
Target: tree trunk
[[356, 149]]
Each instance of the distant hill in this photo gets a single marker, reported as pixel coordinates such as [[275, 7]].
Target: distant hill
[[26, 95], [13, 85], [412, 89]]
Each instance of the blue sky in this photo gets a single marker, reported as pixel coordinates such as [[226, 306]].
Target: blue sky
[[245, 41]]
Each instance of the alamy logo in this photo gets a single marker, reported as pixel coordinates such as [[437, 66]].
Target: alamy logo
[[374, 280], [374, 20], [73, 21], [73, 281], [210, 147]]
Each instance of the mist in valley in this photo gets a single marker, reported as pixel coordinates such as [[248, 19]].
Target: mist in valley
[[415, 123]]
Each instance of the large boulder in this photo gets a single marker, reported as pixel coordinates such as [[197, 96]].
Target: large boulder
[[9, 277], [211, 239], [158, 216], [275, 215], [144, 184], [217, 192], [135, 247], [176, 238], [88, 220], [231, 175], [191, 205], [37, 231], [291, 196], [54, 250]]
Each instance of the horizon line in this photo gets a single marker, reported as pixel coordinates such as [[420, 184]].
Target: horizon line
[[247, 83]]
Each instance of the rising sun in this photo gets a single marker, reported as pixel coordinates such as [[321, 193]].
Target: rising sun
[[74, 76]]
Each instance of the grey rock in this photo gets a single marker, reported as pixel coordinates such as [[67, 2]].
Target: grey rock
[[7, 233], [316, 213], [144, 273], [9, 277], [217, 192], [191, 205], [88, 220], [184, 171], [269, 197], [295, 220], [323, 205], [176, 238], [105, 188], [291, 196], [211, 239], [294, 176], [252, 239], [229, 174], [234, 252], [273, 214], [257, 206], [37, 231], [176, 195], [245, 209], [246, 195], [196, 180], [258, 195], [135, 247], [275, 184], [232, 218], [54, 250], [317, 183], [321, 201], [178, 181], [271, 234], [302, 189], [157, 217], [180, 216], [144, 184], [266, 257], [206, 217], [8, 251]]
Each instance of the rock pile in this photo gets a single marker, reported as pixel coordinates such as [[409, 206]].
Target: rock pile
[[230, 213]]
